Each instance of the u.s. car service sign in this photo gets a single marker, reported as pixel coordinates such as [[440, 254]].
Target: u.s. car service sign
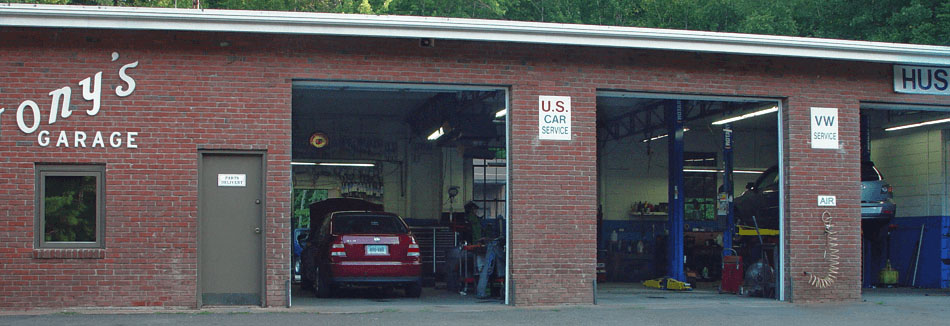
[[554, 117]]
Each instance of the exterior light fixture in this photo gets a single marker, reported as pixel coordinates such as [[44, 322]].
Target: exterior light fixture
[[746, 116], [919, 124], [662, 136]]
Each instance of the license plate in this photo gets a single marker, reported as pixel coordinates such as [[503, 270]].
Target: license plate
[[377, 250], [870, 210]]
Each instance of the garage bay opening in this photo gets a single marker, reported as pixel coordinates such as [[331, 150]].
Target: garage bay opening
[[399, 194], [905, 210], [690, 197]]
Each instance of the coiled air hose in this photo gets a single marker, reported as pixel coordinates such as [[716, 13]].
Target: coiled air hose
[[831, 254]]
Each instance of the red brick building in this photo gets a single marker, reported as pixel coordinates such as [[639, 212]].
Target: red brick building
[[135, 103]]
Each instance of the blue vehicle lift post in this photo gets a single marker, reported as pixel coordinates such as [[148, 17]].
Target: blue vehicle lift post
[[674, 118], [728, 186]]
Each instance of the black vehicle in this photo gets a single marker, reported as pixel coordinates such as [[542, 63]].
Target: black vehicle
[[761, 200]]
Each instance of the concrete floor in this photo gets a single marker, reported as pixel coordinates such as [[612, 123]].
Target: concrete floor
[[373, 299], [618, 304], [357, 300], [367, 300]]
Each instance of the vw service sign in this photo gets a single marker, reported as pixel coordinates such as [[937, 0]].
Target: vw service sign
[[824, 128]]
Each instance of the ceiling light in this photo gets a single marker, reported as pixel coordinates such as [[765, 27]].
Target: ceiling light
[[501, 113], [746, 116], [663, 136], [355, 164], [369, 165], [925, 123], [718, 171], [436, 134]]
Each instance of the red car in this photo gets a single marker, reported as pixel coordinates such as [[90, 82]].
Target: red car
[[363, 248]]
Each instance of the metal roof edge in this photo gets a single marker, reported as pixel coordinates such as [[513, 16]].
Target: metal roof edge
[[242, 21]]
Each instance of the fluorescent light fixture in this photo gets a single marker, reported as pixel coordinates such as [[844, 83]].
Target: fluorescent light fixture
[[369, 165], [501, 113], [746, 116], [919, 124], [436, 134], [356, 164], [662, 136], [718, 171]]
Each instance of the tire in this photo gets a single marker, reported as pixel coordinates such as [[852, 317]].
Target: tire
[[414, 290]]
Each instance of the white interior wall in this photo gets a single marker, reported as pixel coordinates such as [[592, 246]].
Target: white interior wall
[[630, 175], [915, 165], [453, 174], [425, 180]]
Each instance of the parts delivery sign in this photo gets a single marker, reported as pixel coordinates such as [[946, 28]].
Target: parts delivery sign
[[554, 117]]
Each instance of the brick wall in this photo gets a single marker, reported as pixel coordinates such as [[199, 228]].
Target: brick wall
[[192, 93]]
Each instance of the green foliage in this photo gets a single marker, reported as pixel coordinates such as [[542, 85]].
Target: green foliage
[[905, 21], [302, 200], [70, 208]]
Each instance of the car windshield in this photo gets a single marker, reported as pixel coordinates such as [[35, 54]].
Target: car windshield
[[869, 172], [769, 179], [368, 224]]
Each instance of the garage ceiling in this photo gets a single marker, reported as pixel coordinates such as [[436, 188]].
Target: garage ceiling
[[468, 112], [620, 117]]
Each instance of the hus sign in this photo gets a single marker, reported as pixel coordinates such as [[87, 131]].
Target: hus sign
[[554, 117], [922, 80], [824, 128]]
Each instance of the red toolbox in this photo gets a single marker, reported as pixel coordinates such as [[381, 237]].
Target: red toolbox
[[732, 272]]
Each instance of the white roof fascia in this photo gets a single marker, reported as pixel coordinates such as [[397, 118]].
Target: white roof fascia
[[241, 21]]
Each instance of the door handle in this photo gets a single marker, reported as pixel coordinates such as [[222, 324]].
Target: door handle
[[257, 230]]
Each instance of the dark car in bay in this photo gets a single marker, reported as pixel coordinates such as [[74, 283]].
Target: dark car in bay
[[362, 248], [761, 198]]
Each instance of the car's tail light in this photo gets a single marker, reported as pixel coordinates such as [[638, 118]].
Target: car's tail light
[[886, 189], [337, 249], [413, 248]]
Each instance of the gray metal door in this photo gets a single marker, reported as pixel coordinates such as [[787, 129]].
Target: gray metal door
[[230, 223]]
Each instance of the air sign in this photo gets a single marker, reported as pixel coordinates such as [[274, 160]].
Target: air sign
[[554, 117]]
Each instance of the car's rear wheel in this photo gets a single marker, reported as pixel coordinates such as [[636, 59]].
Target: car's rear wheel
[[414, 290]]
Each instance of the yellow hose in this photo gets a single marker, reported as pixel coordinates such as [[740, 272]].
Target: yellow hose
[[831, 253]]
